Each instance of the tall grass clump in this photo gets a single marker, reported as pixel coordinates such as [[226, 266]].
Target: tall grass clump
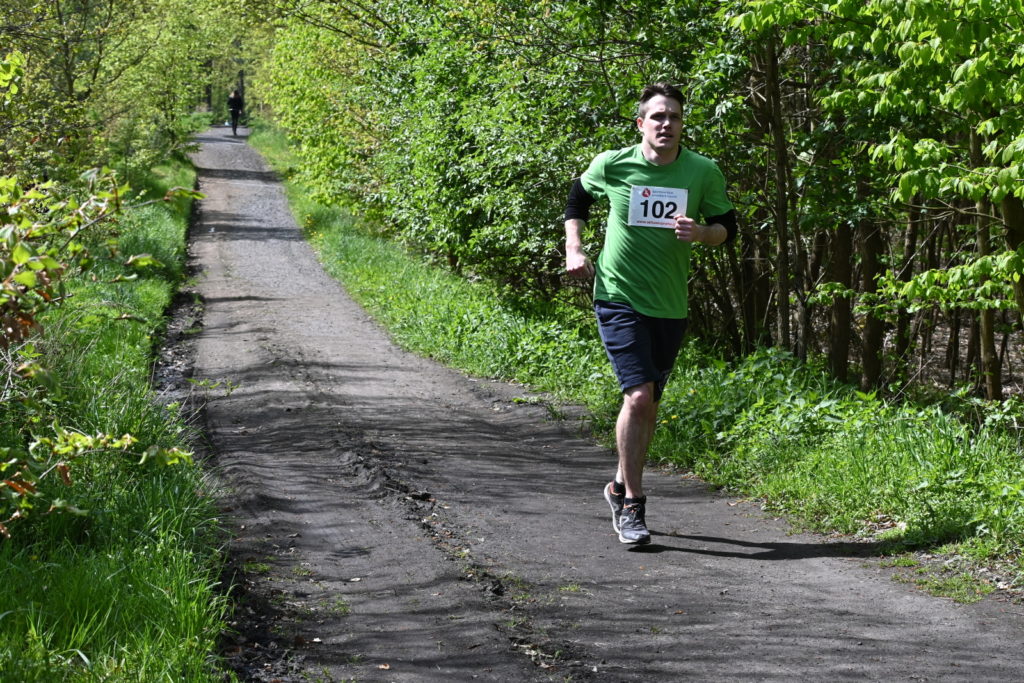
[[122, 585], [763, 425]]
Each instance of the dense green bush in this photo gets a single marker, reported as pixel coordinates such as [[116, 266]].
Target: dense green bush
[[462, 124], [465, 165]]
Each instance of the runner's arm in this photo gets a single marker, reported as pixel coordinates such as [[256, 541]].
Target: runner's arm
[[717, 230], [577, 213]]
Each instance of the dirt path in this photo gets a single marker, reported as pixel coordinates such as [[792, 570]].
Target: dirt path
[[397, 521]]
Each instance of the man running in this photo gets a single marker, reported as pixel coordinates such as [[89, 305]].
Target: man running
[[655, 190]]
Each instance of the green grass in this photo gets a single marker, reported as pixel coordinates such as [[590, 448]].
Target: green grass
[[765, 426], [961, 587], [339, 607], [128, 590], [900, 561]]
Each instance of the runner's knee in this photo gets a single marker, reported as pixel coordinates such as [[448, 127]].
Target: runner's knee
[[641, 398]]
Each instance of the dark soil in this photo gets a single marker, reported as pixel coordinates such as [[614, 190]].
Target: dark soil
[[393, 520]]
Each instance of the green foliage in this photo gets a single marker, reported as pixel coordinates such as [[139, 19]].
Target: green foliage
[[850, 134], [460, 125], [984, 283], [103, 83], [42, 237], [49, 237], [842, 460], [110, 568], [108, 565], [958, 58]]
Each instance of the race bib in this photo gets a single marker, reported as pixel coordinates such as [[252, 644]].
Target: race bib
[[655, 207]]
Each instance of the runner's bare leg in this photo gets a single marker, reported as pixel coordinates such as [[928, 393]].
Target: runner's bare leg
[[633, 431]]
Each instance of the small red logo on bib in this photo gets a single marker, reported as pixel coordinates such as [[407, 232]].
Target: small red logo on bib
[[646, 192]]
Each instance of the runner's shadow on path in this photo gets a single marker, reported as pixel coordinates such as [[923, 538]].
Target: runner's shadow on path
[[765, 551]]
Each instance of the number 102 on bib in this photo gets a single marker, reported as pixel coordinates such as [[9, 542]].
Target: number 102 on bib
[[656, 207]]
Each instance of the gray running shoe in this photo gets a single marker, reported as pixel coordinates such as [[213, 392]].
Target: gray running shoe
[[616, 504], [632, 528]]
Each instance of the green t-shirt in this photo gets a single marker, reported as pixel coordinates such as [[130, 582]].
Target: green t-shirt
[[643, 265]]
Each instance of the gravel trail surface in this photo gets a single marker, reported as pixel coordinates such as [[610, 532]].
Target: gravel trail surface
[[394, 520]]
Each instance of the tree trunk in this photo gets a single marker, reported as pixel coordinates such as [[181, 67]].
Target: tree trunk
[[871, 246], [903, 336], [1004, 361], [718, 290], [803, 282], [953, 347], [972, 361], [1013, 218], [755, 288], [842, 272], [991, 373], [781, 204], [932, 316]]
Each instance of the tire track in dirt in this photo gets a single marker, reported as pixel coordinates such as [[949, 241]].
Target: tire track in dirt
[[396, 521]]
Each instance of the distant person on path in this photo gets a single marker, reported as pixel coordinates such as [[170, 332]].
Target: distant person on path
[[656, 190], [235, 104]]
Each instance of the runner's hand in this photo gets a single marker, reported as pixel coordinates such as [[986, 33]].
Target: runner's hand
[[688, 230], [577, 264]]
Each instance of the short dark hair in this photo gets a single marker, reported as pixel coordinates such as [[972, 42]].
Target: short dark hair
[[662, 88]]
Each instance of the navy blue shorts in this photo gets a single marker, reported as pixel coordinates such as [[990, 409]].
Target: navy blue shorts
[[641, 349]]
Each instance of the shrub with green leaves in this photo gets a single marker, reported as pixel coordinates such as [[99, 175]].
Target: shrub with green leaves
[[59, 251], [111, 569]]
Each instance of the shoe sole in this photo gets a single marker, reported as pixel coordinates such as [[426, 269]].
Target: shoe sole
[[615, 512], [640, 541]]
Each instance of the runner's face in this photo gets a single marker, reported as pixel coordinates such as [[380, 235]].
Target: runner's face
[[661, 124]]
